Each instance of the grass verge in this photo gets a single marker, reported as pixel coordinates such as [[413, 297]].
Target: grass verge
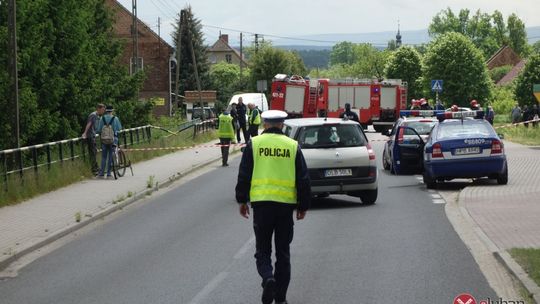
[[60, 175], [520, 134], [529, 259]]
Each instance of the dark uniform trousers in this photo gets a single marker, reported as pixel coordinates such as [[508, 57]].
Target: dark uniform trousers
[[269, 219], [225, 150], [253, 130], [92, 152]]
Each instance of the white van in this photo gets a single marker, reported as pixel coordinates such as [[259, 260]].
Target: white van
[[258, 99]]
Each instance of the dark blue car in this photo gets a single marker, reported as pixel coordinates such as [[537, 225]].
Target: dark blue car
[[464, 148]]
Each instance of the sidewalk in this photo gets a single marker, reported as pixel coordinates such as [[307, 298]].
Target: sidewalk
[[38, 221], [509, 216]]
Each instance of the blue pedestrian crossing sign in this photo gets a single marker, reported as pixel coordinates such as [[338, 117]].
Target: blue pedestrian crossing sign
[[436, 85]]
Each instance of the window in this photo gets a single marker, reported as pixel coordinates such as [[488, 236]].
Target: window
[[213, 58], [133, 67], [327, 136], [463, 130], [228, 58]]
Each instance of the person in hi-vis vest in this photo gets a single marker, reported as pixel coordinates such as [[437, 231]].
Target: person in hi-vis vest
[[226, 135], [274, 179]]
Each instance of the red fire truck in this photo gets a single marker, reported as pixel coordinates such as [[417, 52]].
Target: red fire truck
[[376, 102]]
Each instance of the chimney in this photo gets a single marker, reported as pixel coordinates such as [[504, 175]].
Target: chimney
[[224, 38]]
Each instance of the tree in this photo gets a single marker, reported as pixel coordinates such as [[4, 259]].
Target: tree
[[269, 61], [226, 80], [191, 34], [525, 81], [517, 35], [343, 53], [68, 61], [536, 47], [487, 32], [453, 58], [405, 64]]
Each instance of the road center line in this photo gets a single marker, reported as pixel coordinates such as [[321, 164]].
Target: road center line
[[213, 284], [244, 248]]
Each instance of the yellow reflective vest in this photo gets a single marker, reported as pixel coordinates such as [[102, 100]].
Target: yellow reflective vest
[[226, 129], [274, 170], [257, 119]]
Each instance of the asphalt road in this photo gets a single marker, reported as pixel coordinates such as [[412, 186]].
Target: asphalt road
[[190, 245]]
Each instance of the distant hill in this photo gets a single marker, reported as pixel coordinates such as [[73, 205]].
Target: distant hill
[[377, 39]]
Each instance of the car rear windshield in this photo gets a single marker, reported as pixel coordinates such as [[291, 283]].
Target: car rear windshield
[[421, 127], [465, 129], [329, 136]]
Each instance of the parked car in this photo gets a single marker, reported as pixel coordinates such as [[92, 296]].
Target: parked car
[[209, 113], [420, 121], [462, 145], [339, 157]]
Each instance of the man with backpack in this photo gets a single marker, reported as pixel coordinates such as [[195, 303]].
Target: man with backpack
[[108, 129]]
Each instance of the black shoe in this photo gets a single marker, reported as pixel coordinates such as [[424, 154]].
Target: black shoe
[[225, 165], [268, 291]]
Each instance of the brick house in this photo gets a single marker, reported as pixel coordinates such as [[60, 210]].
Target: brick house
[[222, 51], [154, 54]]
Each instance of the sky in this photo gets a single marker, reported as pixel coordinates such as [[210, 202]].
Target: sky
[[299, 17]]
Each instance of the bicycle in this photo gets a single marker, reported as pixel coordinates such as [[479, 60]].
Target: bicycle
[[120, 162]]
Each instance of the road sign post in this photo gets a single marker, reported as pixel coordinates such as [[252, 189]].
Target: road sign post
[[437, 87]]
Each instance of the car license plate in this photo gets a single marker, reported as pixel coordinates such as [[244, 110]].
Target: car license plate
[[468, 150], [337, 172]]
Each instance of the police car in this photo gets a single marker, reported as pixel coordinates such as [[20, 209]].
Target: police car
[[464, 146], [397, 156], [338, 155]]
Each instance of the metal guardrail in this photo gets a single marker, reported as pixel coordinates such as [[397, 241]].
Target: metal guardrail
[[34, 157]]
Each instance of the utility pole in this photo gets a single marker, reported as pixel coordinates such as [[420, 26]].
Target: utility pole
[[13, 71], [159, 35], [178, 56], [241, 58], [194, 61], [135, 36], [256, 43]]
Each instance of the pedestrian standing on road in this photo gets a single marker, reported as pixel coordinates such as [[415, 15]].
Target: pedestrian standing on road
[[349, 114], [535, 113], [273, 177], [89, 135], [526, 115], [226, 135], [516, 113], [241, 110], [234, 115], [254, 116], [108, 128], [490, 115]]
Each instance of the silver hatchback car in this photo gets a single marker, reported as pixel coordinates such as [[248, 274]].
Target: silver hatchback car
[[339, 157]]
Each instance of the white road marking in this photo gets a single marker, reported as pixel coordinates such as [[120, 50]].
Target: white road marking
[[244, 248], [435, 196], [213, 284], [439, 201]]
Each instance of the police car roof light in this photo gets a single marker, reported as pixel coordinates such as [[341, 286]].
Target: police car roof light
[[421, 113], [460, 115]]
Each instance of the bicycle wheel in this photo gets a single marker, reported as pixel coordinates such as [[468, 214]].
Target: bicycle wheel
[[121, 163], [114, 163]]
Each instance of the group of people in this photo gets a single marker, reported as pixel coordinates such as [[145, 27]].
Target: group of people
[[525, 114], [103, 122], [423, 104], [235, 118]]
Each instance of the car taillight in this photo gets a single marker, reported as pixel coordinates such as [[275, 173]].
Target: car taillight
[[400, 136], [496, 147], [370, 152], [437, 151]]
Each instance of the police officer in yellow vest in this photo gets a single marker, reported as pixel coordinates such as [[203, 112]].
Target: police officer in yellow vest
[[226, 135], [254, 120], [274, 178]]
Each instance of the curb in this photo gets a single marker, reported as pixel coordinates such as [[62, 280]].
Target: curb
[[502, 256], [136, 197]]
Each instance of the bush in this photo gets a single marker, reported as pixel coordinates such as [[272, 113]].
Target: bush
[[498, 73], [503, 100]]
